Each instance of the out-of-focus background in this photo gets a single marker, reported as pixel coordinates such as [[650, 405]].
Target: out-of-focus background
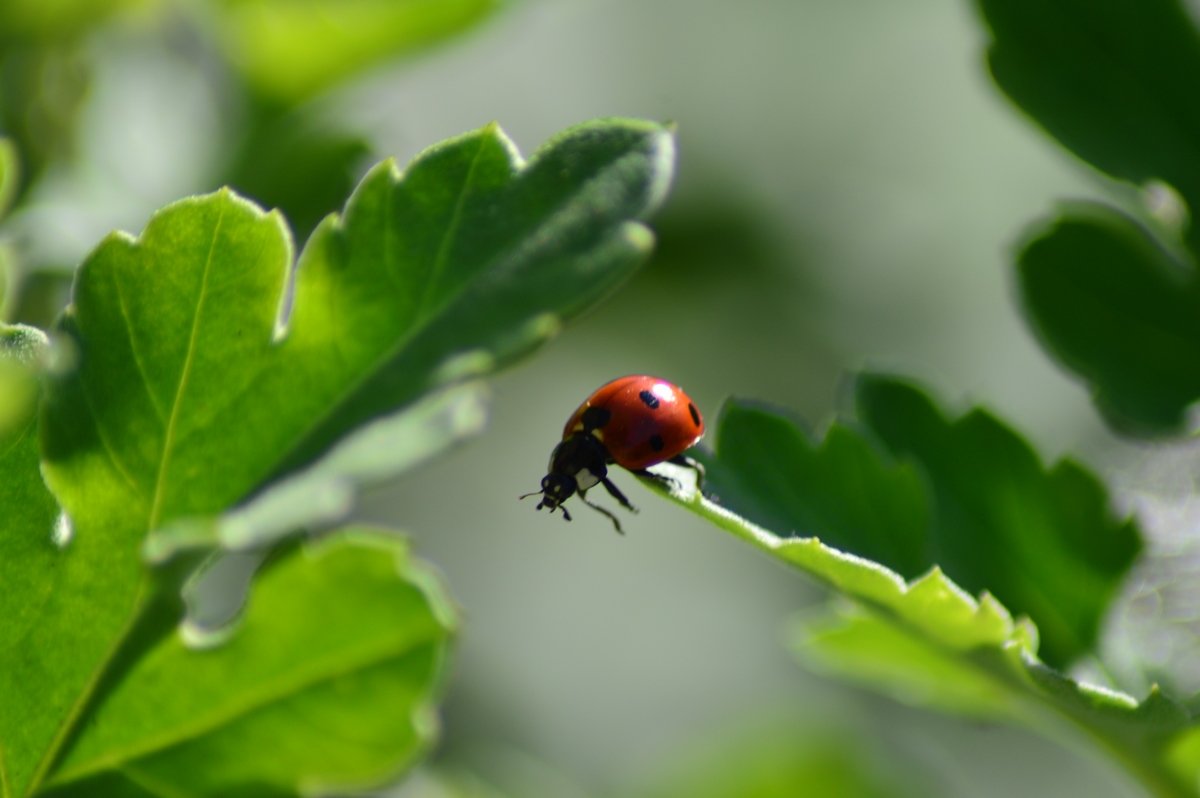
[[849, 185]]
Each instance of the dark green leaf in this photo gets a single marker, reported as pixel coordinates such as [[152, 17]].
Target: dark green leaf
[[40, 296], [1043, 541], [1113, 80], [264, 167], [1119, 310], [841, 489], [42, 94], [969, 496], [329, 679]]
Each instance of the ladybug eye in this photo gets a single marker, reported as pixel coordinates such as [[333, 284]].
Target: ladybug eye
[[649, 399]]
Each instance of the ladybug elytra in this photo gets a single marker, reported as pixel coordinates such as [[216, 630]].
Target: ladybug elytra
[[635, 422]]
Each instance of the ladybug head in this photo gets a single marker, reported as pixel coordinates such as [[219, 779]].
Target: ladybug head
[[556, 489]]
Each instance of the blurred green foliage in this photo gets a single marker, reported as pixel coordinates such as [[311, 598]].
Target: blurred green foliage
[[271, 42], [1121, 310], [1113, 301]]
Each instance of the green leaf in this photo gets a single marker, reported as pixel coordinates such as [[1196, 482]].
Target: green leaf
[[453, 270], [326, 491], [9, 178], [38, 297], [195, 390], [1005, 682], [289, 50], [968, 496], [9, 174], [1113, 80], [45, 87], [931, 642], [33, 573], [840, 489], [997, 515], [264, 166], [333, 669], [7, 280], [1118, 309], [49, 20], [23, 352], [1042, 540], [784, 760]]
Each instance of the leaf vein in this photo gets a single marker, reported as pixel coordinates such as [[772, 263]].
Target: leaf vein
[[282, 690], [184, 376], [133, 346], [448, 237]]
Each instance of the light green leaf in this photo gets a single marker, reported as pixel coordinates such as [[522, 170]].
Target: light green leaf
[[195, 390], [9, 174], [771, 758], [325, 492], [192, 394], [49, 20], [8, 188], [931, 642], [290, 49], [34, 573], [23, 353], [1005, 682], [328, 681]]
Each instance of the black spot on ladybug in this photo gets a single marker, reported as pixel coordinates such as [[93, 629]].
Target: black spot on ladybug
[[657, 443], [695, 414], [596, 417], [649, 399]]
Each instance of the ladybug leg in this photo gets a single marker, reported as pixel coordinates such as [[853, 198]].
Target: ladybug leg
[[662, 479], [616, 521], [616, 493], [695, 465]]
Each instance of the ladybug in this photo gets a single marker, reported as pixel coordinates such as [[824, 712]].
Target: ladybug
[[636, 422]]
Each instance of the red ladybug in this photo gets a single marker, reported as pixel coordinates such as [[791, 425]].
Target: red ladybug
[[635, 422]]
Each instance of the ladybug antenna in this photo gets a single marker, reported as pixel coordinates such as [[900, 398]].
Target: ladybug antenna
[[544, 503]]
